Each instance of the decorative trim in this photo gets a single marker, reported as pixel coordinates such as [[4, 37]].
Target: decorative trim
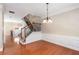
[[66, 41]]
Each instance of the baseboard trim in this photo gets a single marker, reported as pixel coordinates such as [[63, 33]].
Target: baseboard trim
[[66, 41]]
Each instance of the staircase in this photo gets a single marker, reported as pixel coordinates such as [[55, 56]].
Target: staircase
[[26, 31], [28, 23]]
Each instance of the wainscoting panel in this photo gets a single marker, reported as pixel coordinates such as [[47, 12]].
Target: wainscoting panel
[[66, 41]]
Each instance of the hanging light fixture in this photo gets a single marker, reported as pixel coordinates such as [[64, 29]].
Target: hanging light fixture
[[47, 20]]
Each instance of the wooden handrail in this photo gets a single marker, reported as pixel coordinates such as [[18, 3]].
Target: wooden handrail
[[24, 28]]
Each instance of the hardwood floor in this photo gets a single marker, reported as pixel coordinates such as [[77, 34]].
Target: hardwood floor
[[37, 48]]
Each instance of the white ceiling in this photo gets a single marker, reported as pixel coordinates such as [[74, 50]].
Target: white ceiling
[[39, 9]]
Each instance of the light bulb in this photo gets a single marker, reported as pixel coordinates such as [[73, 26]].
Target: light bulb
[[49, 21], [44, 21]]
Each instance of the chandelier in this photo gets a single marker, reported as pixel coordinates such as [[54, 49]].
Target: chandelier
[[47, 20]]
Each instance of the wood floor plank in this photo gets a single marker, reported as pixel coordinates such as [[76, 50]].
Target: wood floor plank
[[38, 48]]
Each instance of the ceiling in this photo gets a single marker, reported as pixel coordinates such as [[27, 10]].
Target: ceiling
[[39, 9]]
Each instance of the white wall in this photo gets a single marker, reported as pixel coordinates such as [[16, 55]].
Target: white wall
[[64, 24], [1, 27], [64, 30]]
